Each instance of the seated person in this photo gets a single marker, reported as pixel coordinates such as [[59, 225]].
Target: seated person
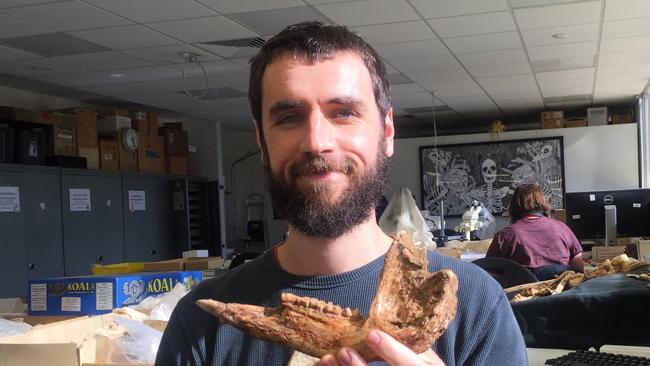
[[543, 245]]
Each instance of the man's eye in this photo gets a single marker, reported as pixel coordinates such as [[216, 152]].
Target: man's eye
[[345, 113], [289, 118]]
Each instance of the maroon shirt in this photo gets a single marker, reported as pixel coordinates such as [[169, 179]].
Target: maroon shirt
[[535, 242]]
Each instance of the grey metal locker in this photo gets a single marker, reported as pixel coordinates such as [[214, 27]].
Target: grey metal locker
[[31, 236], [93, 234], [148, 225]]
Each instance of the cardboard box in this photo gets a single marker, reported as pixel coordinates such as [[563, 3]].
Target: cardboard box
[[87, 295], [127, 160], [575, 122], [113, 120], [140, 123], [64, 135], [175, 141], [152, 121], [64, 343], [174, 125], [176, 165], [552, 119], [600, 253], [49, 118], [86, 123], [185, 264], [151, 155], [597, 116], [560, 214], [108, 155], [618, 119], [91, 155]]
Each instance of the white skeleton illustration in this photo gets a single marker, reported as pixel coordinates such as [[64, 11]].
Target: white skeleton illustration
[[490, 197]]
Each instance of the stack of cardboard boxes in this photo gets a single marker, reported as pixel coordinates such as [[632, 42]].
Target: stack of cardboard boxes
[[151, 157], [596, 116], [114, 155], [175, 142]]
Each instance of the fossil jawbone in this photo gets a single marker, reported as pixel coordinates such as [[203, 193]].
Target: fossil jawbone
[[411, 304]]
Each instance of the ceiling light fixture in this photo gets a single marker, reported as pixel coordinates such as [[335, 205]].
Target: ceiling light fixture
[[115, 75], [560, 35], [194, 58]]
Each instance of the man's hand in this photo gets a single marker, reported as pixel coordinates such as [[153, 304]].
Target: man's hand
[[393, 352]]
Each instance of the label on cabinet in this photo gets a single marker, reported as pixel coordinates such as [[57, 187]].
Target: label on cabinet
[[71, 303], [104, 296], [9, 199], [38, 297], [137, 201], [79, 199]]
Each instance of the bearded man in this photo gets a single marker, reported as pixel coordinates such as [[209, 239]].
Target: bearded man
[[320, 99]]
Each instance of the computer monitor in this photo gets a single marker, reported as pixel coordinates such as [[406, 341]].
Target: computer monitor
[[626, 212]]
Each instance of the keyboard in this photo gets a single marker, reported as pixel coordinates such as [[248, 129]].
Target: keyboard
[[593, 358]]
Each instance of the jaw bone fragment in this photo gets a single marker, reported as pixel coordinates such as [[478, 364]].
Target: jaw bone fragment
[[411, 304]]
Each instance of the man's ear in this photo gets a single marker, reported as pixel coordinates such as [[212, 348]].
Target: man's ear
[[258, 138], [389, 133]]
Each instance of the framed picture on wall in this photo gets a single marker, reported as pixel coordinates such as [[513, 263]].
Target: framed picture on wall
[[489, 172]]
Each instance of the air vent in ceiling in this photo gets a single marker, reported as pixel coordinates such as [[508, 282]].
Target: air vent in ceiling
[[242, 42]]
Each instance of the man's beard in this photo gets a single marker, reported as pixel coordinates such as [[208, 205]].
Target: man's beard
[[311, 211]]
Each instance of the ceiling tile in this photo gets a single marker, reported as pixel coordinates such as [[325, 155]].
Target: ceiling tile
[[169, 54], [405, 89], [238, 6], [501, 69], [423, 77], [146, 11], [515, 55], [466, 104], [67, 16], [563, 63], [442, 86], [622, 79], [191, 83], [99, 61], [395, 32], [14, 3], [235, 81], [218, 67], [563, 50], [473, 24], [146, 74], [53, 44], [626, 9], [126, 37], [575, 33], [587, 72], [398, 79], [486, 42], [558, 15], [357, 13], [11, 27], [418, 49], [8, 54], [447, 8], [566, 90], [626, 28], [512, 81], [36, 67], [436, 62], [624, 58], [642, 69], [268, 22], [203, 29], [625, 44]]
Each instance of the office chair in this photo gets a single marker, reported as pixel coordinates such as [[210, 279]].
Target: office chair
[[507, 272], [240, 259], [549, 271]]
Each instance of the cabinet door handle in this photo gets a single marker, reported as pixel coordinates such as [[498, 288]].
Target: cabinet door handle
[[153, 252], [31, 266], [100, 258]]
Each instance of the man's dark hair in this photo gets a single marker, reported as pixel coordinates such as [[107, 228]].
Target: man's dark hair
[[528, 198], [315, 42]]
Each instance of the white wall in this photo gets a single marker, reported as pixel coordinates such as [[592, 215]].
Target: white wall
[[595, 158]]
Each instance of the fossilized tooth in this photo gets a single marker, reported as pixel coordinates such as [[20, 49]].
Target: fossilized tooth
[[412, 304]]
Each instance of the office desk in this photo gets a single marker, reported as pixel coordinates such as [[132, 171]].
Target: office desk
[[611, 309]]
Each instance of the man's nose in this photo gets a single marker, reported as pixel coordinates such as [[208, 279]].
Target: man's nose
[[319, 134]]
